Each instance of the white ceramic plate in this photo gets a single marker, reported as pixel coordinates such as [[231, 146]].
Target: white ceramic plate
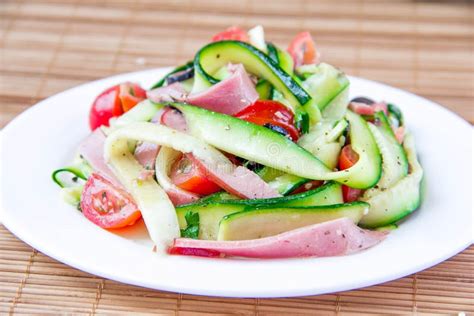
[[45, 137]]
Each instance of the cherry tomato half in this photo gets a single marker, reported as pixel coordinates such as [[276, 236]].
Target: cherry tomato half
[[114, 102], [232, 33], [188, 176], [264, 112], [106, 205], [303, 50], [105, 106], [347, 159]]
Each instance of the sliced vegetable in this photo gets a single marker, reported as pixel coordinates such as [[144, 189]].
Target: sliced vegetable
[[142, 112], [105, 106], [165, 161], [265, 222], [252, 142], [130, 95], [303, 50], [404, 197], [186, 175], [79, 171], [264, 90], [162, 81], [107, 205], [324, 85], [158, 211], [215, 55], [264, 112], [282, 58], [258, 144], [212, 211], [347, 159], [234, 33], [394, 160]]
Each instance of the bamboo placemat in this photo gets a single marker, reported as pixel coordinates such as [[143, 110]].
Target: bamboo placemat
[[48, 46]]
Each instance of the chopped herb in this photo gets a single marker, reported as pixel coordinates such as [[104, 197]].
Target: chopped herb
[[192, 228], [74, 179]]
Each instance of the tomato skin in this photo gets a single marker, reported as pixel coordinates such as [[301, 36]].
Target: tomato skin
[[105, 106], [194, 252], [232, 33], [313, 184], [303, 50], [270, 112], [113, 102], [347, 159], [188, 176], [106, 205], [130, 95], [350, 194]]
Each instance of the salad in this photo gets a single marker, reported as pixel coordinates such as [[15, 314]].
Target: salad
[[248, 150]]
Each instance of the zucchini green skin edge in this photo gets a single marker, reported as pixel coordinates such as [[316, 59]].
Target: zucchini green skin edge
[[215, 55], [394, 159], [264, 222], [211, 211], [161, 82], [259, 144], [73, 170], [400, 200]]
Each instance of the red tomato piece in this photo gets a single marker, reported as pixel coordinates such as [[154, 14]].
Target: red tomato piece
[[264, 112], [105, 106], [106, 205], [303, 50], [347, 159], [232, 33], [130, 95], [308, 186], [188, 176], [193, 252]]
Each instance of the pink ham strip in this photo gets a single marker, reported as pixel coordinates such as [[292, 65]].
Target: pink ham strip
[[229, 96], [179, 196], [92, 150], [171, 93], [333, 238], [366, 109]]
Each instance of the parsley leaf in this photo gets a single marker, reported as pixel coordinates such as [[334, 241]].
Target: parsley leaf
[[192, 229]]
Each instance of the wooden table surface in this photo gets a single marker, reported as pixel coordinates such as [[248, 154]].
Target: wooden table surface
[[49, 46]]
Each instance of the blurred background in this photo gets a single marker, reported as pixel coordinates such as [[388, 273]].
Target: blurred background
[[47, 46]]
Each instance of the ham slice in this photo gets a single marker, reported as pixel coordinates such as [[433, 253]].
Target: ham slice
[[366, 109], [170, 93], [229, 96], [332, 238], [146, 153], [92, 150]]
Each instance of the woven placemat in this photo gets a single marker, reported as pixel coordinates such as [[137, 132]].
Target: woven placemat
[[49, 46]]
